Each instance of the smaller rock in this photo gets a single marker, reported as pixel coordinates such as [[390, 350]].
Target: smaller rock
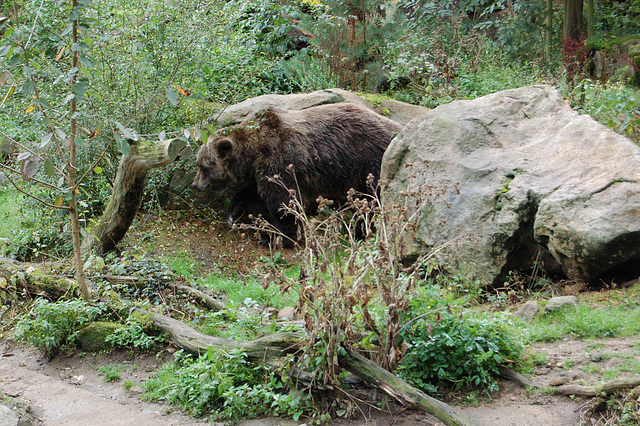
[[78, 380], [559, 381], [8, 417], [92, 337], [573, 375], [542, 371], [596, 357], [528, 310], [560, 302], [288, 313], [270, 312], [136, 390]]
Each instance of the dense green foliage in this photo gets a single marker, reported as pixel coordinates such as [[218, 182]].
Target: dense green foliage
[[225, 386], [449, 348], [52, 326]]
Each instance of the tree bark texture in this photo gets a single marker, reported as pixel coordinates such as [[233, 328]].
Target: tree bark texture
[[128, 190], [573, 19], [580, 390]]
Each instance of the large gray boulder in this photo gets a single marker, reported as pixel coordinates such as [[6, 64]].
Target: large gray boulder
[[400, 112], [518, 178], [237, 113]]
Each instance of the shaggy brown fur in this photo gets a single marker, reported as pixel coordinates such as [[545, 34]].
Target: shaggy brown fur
[[320, 151]]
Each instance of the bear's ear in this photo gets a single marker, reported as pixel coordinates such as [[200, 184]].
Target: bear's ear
[[224, 147]]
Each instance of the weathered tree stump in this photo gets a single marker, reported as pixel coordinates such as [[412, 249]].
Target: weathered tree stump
[[128, 190]]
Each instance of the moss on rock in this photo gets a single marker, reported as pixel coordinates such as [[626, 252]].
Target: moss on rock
[[92, 337]]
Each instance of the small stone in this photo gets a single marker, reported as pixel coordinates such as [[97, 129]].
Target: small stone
[[596, 357], [136, 390], [560, 302], [288, 313], [528, 310], [559, 381], [541, 371], [78, 380], [270, 312]]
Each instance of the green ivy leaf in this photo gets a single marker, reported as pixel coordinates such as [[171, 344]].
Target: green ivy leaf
[[28, 87], [122, 146], [49, 168], [86, 62]]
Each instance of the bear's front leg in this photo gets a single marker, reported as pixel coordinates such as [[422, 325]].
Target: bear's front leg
[[276, 199]]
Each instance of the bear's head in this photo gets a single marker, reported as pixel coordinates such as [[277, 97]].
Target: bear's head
[[213, 161]]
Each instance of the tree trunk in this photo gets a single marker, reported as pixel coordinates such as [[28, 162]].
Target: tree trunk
[[590, 6], [580, 390], [401, 391], [573, 20], [128, 190], [549, 28], [260, 350]]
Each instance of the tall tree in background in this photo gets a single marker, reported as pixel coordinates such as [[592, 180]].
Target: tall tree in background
[[573, 20]]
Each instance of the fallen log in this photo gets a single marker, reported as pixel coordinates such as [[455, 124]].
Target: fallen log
[[269, 348], [579, 390], [376, 376], [128, 189], [260, 350], [201, 297], [36, 281]]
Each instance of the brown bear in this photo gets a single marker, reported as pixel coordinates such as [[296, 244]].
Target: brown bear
[[320, 151]]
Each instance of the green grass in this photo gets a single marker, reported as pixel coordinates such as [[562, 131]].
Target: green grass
[[240, 290], [112, 373], [587, 322], [10, 216]]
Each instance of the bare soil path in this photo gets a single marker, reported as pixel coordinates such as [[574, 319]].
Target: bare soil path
[[69, 390]]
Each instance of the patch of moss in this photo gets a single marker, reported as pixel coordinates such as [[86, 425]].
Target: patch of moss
[[92, 337], [52, 284], [605, 43], [145, 320]]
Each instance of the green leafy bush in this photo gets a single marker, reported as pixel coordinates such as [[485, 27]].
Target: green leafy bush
[[51, 326], [614, 105], [225, 385], [448, 348], [133, 335]]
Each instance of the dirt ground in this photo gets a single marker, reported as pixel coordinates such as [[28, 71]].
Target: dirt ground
[[69, 390]]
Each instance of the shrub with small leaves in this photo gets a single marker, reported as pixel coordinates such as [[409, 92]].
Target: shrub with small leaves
[[51, 326], [133, 335], [448, 348], [226, 385]]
